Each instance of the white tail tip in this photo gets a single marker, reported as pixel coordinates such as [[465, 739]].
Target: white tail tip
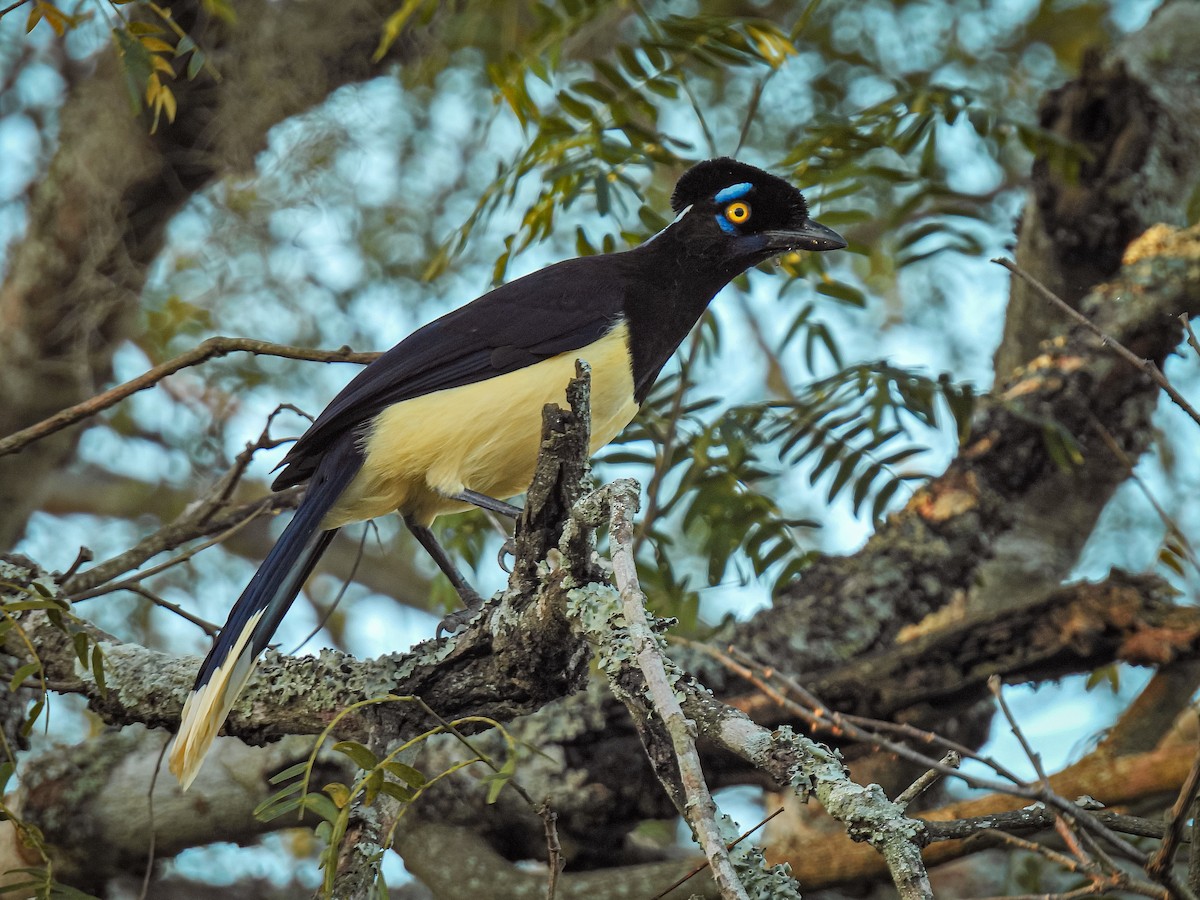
[[206, 708]]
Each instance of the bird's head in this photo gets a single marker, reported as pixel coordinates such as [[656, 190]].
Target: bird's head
[[746, 215]]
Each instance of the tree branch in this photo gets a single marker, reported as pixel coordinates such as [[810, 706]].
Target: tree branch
[[212, 348]]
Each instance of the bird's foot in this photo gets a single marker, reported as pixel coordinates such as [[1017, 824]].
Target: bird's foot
[[458, 619], [508, 549]]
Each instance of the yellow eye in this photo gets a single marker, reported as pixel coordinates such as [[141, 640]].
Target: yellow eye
[[737, 212]]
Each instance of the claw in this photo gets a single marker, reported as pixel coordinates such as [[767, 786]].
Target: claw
[[458, 619], [509, 548]]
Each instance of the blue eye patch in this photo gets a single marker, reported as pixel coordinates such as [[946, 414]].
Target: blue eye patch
[[733, 192]]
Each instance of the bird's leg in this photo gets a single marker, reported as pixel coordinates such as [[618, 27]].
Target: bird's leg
[[469, 596], [483, 501]]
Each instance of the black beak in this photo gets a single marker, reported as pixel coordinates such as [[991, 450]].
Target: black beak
[[809, 235]]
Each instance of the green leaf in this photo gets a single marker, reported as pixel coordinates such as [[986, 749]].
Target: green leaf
[[195, 64], [23, 673], [498, 780], [136, 66], [290, 772], [406, 773], [31, 718], [882, 498], [98, 670], [80, 642], [322, 806], [280, 803], [846, 293], [358, 754], [397, 791]]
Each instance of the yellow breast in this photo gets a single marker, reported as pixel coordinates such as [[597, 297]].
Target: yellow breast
[[482, 436]]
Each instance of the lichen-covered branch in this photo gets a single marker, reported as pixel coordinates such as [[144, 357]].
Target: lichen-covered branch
[[685, 781], [659, 695]]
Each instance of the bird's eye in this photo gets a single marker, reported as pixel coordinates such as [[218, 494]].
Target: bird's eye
[[737, 212]]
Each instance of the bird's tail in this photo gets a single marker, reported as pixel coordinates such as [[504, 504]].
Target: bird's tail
[[253, 620]]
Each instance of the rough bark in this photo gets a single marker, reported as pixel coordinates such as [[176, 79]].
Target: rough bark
[[1133, 114]]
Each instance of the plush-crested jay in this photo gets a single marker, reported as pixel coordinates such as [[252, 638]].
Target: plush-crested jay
[[450, 417]]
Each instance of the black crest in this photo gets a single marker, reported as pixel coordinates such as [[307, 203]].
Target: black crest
[[704, 180]]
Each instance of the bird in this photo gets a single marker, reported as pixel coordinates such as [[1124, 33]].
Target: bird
[[450, 418]]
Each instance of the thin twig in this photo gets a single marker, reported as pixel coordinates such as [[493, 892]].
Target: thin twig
[[704, 865], [1035, 819], [219, 494], [1146, 365], [995, 686], [554, 860], [173, 561], [4, 12], [1191, 335], [1059, 859], [176, 534], [818, 715], [212, 348], [150, 851], [1123, 458], [346, 582], [1160, 863], [905, 798], [862, 730], [85, 555], [209, 628]]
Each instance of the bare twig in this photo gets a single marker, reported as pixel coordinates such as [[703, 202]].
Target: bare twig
[[212, 348], [219, 494], [207, 627], [1036, 818], [1122, 457], [85, 555], [150, 851], [346, 582], [554, 860], [995, 686], [173, 561], [1191, 335], [1160, 864], [17, 5], [1067, 863], [1146, 365], [704, 865], [905, 798], [177, 534]]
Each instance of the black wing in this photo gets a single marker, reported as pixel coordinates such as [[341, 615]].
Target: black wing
[[560, 308]]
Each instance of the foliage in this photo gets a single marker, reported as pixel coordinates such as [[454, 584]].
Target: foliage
[[147, 42], [386, 776]]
